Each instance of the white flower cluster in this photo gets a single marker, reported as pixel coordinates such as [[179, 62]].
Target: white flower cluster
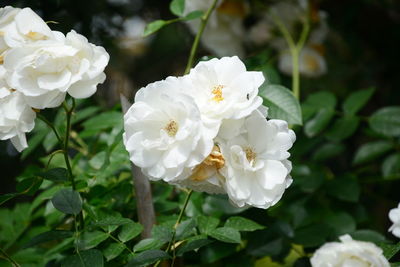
[[208, 131], [349, 252], [394, 216], [38, 67]]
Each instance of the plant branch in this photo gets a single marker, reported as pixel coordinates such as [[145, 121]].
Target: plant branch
[[42, 118], [66, 141], [204, 20], [5, 255]]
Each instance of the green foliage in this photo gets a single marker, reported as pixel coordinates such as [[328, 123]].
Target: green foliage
[[386, 121], [177, 7], [281, 103], [67, 201]]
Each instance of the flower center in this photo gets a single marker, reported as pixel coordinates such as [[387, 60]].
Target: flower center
[[35, 36], [311, 63], [250, 154], [171, 128], [217, 92], [209, 166]]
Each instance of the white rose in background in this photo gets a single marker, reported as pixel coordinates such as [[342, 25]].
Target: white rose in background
[[45, 70], [164, 133], [311, 62], [16, 118], [256, 169], [223, 89], [349, 252], [224, 30], [21, 26], [394, 216]]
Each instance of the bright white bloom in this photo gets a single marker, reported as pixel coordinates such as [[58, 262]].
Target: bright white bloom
[[16, 117], [164, 133], [21, 26], [349, 253], [223, 89], [224, 30], [46, 69], [311, 62], [394, 216], [256, 166]]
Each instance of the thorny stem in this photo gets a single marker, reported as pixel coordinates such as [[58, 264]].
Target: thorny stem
[[5, 255], [204, 20], [178, 221]]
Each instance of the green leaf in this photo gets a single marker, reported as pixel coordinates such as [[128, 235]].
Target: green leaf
[[343, 128], [104, 120], [243, 224], [206, 224], [357, 101], [147, 244], [389, 250], [154, 26], [162, 232], [185, 229], [340, 222], [371, 151], [148, 257], [113, 250], [226, 234], [193, 15], [321, 100], [67, 201], [391, 166], [6, 197], [48, 236], [130, 231], [281, 103], [177, 7], [386, 121], [55, 175], [344, 188], [327, 151], [88, 258], [319, 122], [368, 236], [29, 186], [84, 114], [193, 245], [312, 235], [112, 220], [90, 240]]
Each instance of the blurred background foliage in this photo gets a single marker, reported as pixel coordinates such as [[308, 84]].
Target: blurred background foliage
[[346, 159]]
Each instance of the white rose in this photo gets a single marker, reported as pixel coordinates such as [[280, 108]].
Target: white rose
[[20, 26], [311, 62], [164, 133], [45, 70], [394, 216], [349, 253], [223, 89], [256, 166], [16, 118], [224, 30]]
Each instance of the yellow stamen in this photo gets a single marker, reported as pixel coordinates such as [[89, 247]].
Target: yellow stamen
[[250, 154], [217, 92], [209, 166], [171, 128]]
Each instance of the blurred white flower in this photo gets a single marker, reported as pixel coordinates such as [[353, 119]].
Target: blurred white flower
[[256, 166], [223, 89], [349, 252], [46, 69], [132, 37], [224, 30], [16, 118], [164, 133], [311, 62], [394, 216], [21, 26]]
